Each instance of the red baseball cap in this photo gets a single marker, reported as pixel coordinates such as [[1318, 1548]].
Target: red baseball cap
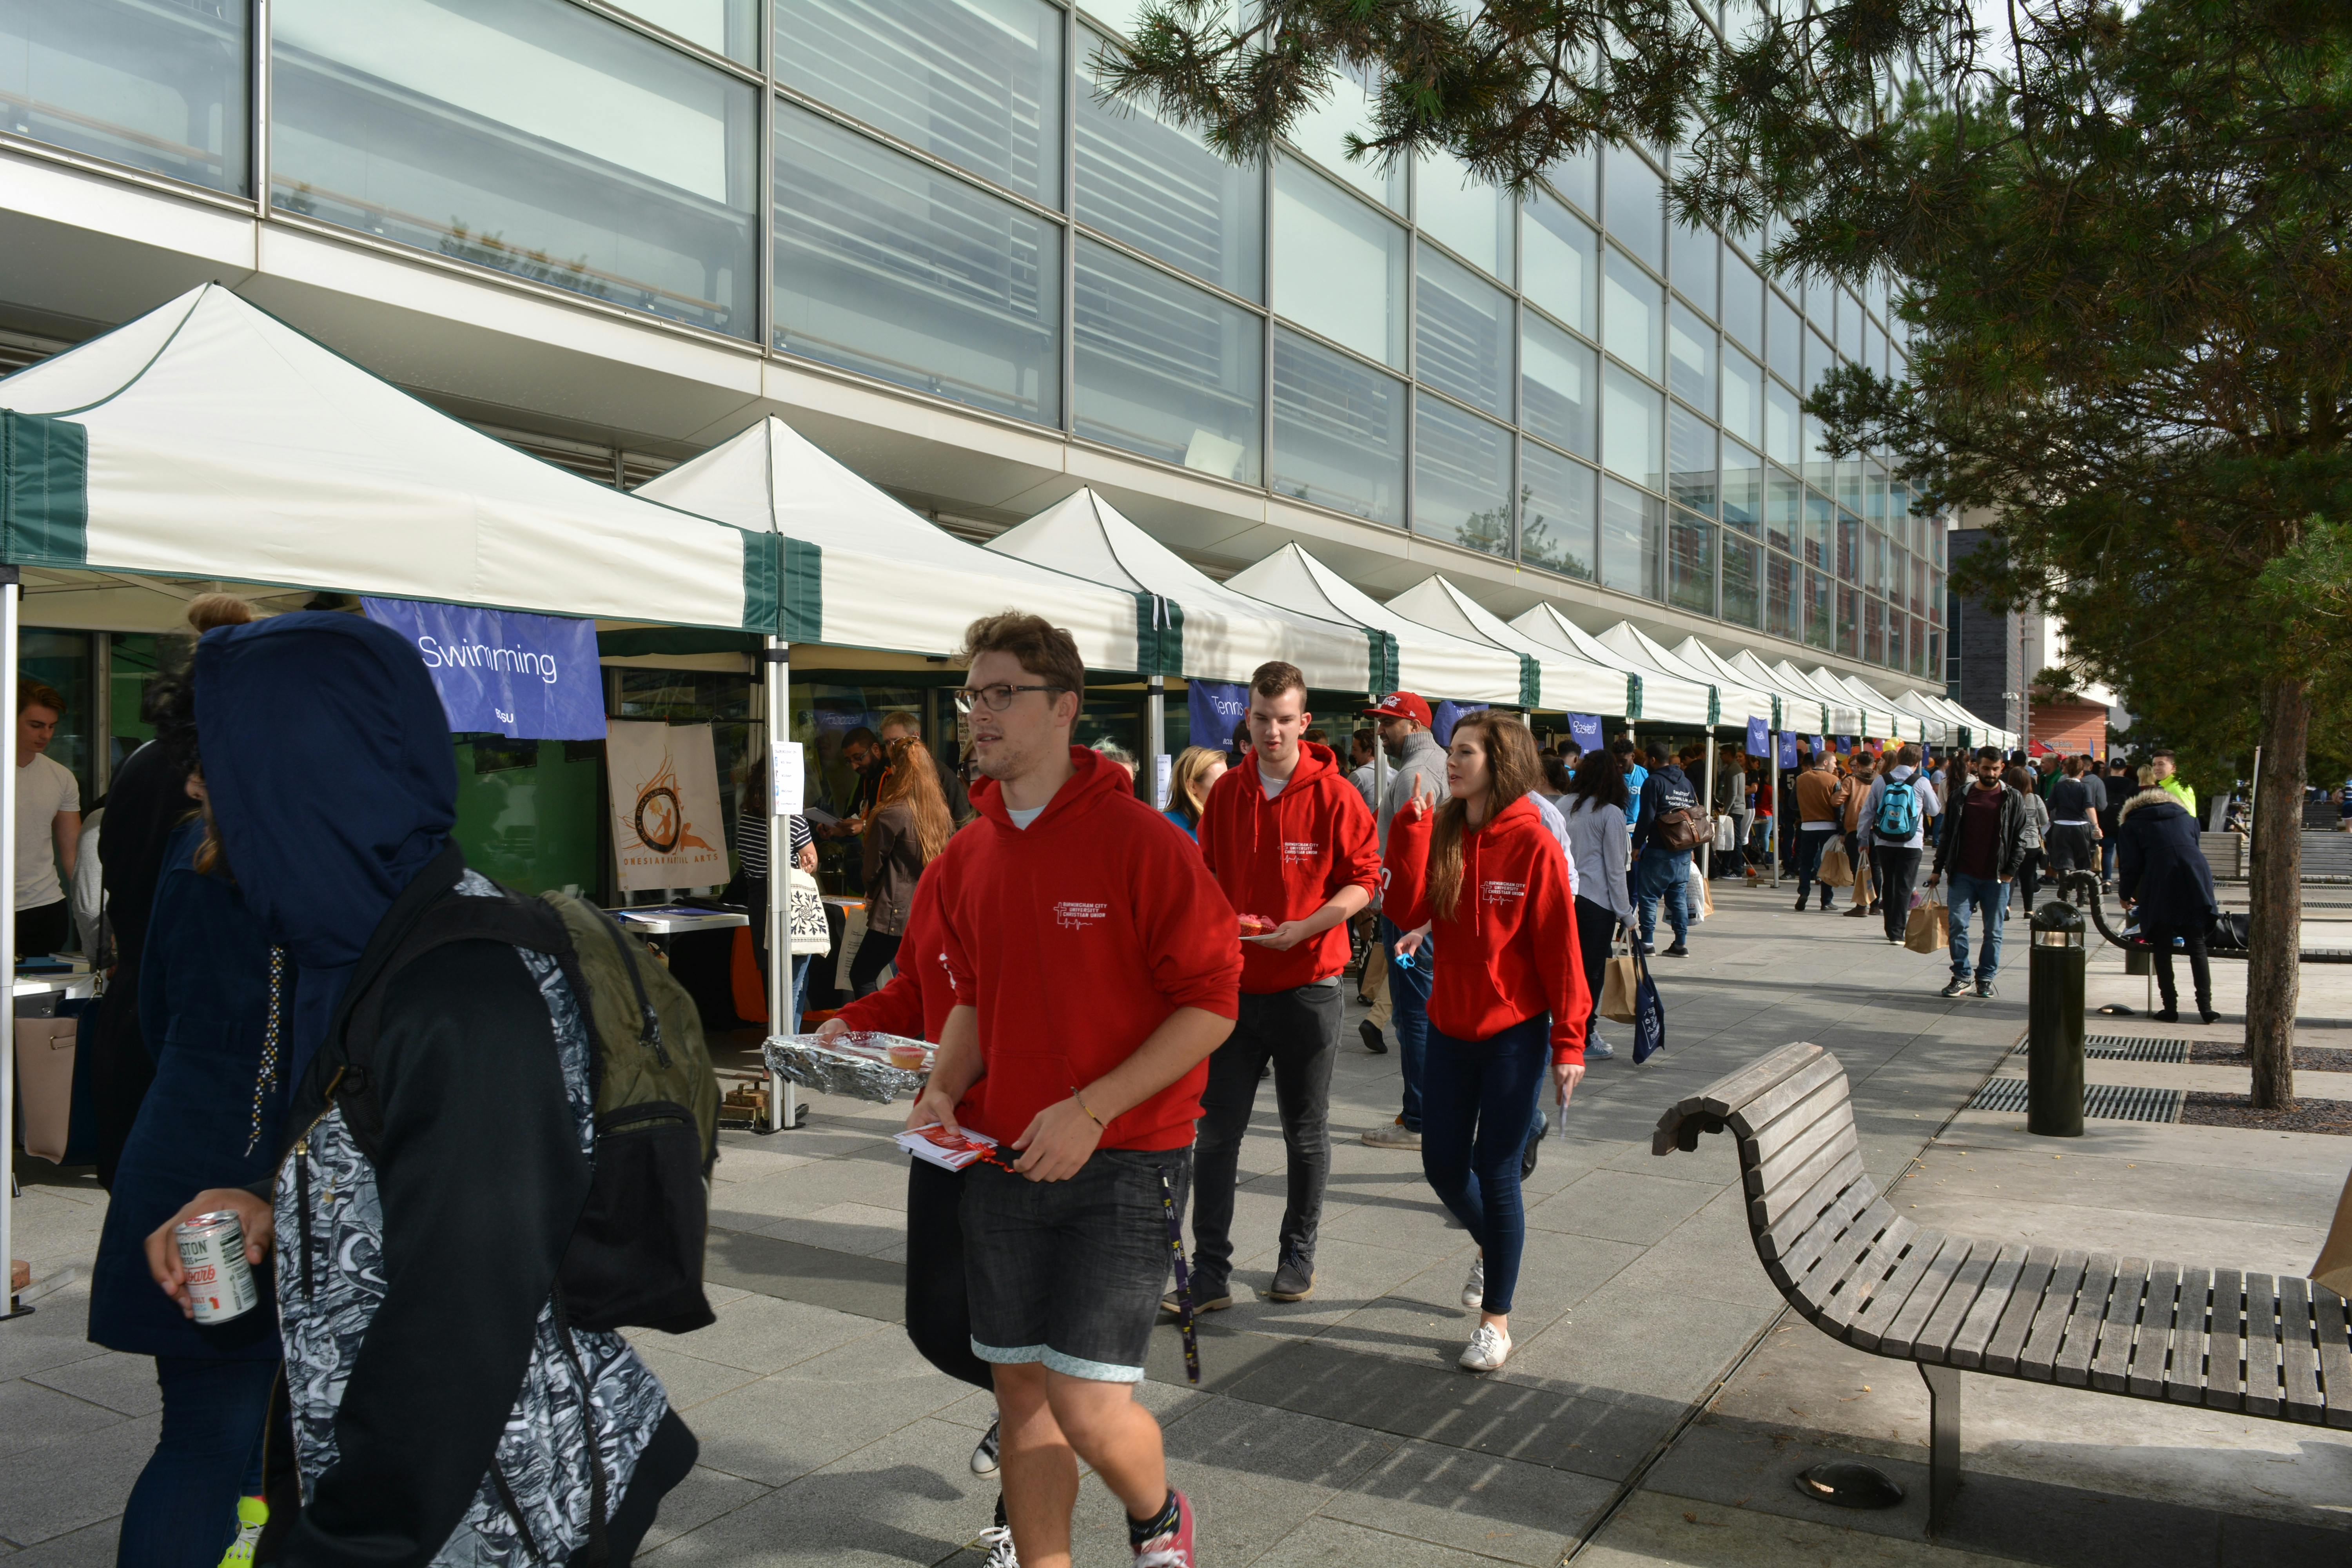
[[1402, 705]]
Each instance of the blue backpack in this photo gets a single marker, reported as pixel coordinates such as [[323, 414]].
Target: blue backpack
[[1898, 809]]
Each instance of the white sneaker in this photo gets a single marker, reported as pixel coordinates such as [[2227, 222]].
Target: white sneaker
[[1490, 1347], [983, 1458], [1474, 1290], [1596, 1049], [1395, 1135], [997, 1541]]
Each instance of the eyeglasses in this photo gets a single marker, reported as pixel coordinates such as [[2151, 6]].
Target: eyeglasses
[[997, 698]]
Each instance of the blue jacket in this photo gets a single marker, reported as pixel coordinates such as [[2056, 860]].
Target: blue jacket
[[204, 1001], [2160, 866]]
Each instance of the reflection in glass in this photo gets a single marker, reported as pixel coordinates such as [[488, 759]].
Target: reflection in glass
[[629, 171], [1692, 253], [1631, 526], [1743, 601], [1780, 595], [1819, 359], [1923, 647], [1743, 303], [1784, 505], [1578, 179], [1743, 397], [1781, 423], [1460, 478], [1556, 511], [1165, 370], [1632, 427], [730, 27], [1338, 265], [1874, 564], [887, 268], [1783, 340], [1338, 431], [1820, 534], [1898, 577], [1690, 564], [1873, 349], [1321, 131], [1896, 623], [1559, 392], [1818, 620], [1873, 631], [1562, 262], [1690, 358], [1634, 316], [1462, 332], [1634, 215], [1849, 619], [1743, 487], [1152, 184], [1848, 546], [978, 83], [1690, 459], [159, 86], [1468, 218]]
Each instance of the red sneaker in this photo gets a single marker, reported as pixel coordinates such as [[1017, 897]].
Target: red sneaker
[[1174, 1549]]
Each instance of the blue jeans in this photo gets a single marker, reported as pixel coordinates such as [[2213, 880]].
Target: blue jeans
[[1663, 873], [1409, 1012], [182, 1511], [1479, 1096], [2108, 859], [1968, 895]]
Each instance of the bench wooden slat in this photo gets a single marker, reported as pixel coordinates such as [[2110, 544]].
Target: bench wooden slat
[[1968, 1346], [2152, 1355], [2111, 1365], [1763, 1138], [2017, 1318], [2298, 1352], [2079, 1334], [2327, 1314], [2225, 1377], [2262, 1345], [1802, 1148], [1934, 1341], [1840, 1256], [1794, 1270], [2039, 1359], [2184, 1375], [1867, 1331], [1901, 1337], [1776, 1236], [1734, 1090], [1795, 1191], [1870, 1271]]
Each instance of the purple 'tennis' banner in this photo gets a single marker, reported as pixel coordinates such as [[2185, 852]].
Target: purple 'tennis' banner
[[1216, 707], [527, 677]]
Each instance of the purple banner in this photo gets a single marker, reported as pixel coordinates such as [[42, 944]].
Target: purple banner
[[527, 677]]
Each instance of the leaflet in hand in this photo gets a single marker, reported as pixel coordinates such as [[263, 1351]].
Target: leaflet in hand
[[949, 1151]]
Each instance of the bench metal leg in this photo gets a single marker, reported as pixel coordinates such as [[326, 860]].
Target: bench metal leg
[[1943, 1444]]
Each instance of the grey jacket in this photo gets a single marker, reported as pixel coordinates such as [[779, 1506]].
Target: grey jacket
[[1424, 759]]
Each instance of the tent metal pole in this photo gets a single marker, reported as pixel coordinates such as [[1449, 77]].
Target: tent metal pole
[[1155, 720], [1706, 850], [783, 1099], [12, 599]]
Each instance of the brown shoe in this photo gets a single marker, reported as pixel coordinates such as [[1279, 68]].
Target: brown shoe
[[1216, 1303]]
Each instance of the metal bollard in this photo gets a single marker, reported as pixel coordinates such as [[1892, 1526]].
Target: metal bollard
[[2053, 1038]]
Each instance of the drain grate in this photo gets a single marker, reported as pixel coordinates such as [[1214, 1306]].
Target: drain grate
[[2129, 1048], [2107, 1101]]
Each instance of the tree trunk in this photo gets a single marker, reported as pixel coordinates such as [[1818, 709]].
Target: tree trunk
[[2275, 892]]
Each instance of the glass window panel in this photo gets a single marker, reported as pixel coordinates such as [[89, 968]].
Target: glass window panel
[[1559, 390], [1743, 303], [1848, 546], [1781, 433], [1873, 349], [1632, 428], [1338, 265], [1693, 252], [1873, 496], [1874, 564], [1153, 184], [1896, 622], [1818, 470], [1557, 507], [1820, 532], [1818, 361], [1690, 358], [1922, 648], [1848, 485], [1743, 487], [1873, 631], [1321, 133], [1578, 179], [1849, 619], [1338, 431], [1468, 218], [1818, 299], [1820, 618], [1743, 397], [1460, 478], [1783, 340], [1462, 332], [1935, 596], [1690, 564], [1743, 589], [1919, 600], [1633, 317], [1165, 370], [886, 267], [1784, 505], [1849, 326], [1898, 576], [1563, 268], [1630, 524], [629, 171], [1780, 595], [1690, 459], [730, 27], [160, 88], [1633, 212]]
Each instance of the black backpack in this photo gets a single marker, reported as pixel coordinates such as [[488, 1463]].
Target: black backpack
[[635, 1256]]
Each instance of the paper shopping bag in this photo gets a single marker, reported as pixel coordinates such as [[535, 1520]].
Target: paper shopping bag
[[1836, 871], [2334, 1269], [1706, 897], [1619, 984], [1928, 927]]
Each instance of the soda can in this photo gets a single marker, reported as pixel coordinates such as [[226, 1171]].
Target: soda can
[[212, 1255]]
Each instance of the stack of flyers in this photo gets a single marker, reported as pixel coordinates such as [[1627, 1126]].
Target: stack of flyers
[[952, 1150]]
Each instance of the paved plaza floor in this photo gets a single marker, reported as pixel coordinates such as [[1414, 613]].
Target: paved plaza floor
[[1660, 1399]]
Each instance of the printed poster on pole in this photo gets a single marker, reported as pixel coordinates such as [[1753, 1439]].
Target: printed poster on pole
[[665, 822]]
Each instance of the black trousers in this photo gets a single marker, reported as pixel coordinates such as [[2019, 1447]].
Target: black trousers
[[939, 1310], [2071, 849], [2201, 972], [669, 1454], [1298, 1032], [875, 953], [1897, 869], [43, 929], [1595, 924]]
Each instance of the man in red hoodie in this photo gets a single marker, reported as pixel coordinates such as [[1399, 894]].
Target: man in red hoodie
[[1095, 968], [1287, 837]]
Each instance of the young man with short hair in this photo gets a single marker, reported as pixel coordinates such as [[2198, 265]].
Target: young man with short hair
[[47, 826], [2167, 779], [1286, 836], [1821, 813], [1361, 771], [1095, 968], [1894, 819], [1983, 848], [1660, 872], [1413, 754]]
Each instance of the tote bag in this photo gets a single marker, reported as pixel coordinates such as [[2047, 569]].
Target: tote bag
[[1649, 1016], [1836, 871], [810, 934]]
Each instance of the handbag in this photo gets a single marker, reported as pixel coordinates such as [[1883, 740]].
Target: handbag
[[807, 912], [45, 1074], [1727, 834], [1620, 981], [1836, 871], [1928, 927], [1649, 1016]]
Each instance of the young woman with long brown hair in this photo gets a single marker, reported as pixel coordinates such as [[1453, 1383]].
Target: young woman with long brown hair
[[1506, 995], [909, 826]]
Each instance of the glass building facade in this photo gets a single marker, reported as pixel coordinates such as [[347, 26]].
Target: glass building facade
[[931, 194]]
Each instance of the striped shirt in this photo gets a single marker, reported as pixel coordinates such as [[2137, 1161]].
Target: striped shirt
[[751, 841]]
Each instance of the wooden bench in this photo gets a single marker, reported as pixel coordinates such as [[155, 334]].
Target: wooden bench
[[2278, 1346]]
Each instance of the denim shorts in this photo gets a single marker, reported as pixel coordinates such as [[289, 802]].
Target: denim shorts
[[1071, 1273]]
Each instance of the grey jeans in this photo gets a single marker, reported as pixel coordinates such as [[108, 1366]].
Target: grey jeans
[[1298, 1032]]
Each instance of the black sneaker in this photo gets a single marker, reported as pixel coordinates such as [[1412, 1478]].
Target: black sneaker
[[1679, 951], [1374, 1041], [1985, 990], [1293, 1281], [1534, 1147], [1802, 899], [1954, 988]]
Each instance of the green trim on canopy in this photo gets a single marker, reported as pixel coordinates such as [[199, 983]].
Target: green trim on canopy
[[1387, 666], [800, 616], [1714, 706], [1159, 635], [44, 490], [1632, 697], [1530, 682]]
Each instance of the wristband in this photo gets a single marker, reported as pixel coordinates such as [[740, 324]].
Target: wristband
[[1082, 1106]]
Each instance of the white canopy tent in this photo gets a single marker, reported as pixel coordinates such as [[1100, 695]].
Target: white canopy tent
[[1436, 665], [1935, 728], [1570, 684], [1844, 714], [1787, 704], [887, 578], [1736, 701], [1795, 694], [1980, 734], [1663, 698], [1876, 716]]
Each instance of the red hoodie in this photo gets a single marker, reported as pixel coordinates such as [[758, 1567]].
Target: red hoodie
[[1508, 952], [1076, 938], [1285, 857], [918, 998]]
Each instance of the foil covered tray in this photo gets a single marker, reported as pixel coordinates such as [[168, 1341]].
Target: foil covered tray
[[858, 1065]]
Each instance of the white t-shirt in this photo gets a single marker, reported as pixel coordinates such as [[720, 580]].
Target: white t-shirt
[[1272, 786], [1023, 816], [44, 788]]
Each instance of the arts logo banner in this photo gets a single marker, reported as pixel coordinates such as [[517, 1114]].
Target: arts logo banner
[[1787, 750], [527, 677], [1217, 705], [665, 824], [1584, 728], [1442, 719]]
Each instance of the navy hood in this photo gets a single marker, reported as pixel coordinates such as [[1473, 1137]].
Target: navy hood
[[333, 784]]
